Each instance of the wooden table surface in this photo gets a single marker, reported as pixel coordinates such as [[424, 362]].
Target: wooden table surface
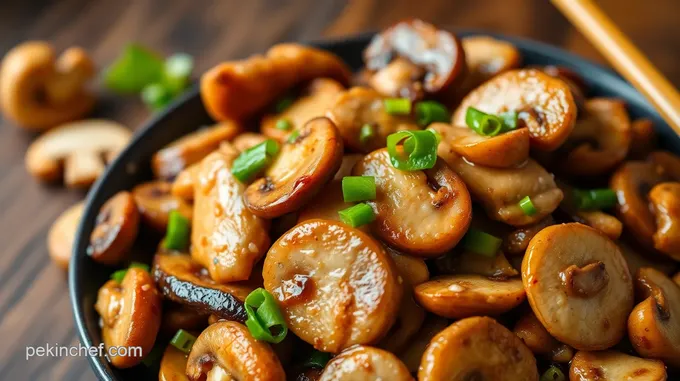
[[34, 302]]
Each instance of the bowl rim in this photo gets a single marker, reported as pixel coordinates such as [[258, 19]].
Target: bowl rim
[[97, 363]]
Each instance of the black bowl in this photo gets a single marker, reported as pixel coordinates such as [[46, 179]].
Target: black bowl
[[187, 114]]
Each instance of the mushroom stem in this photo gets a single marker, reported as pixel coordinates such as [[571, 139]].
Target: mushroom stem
[[585, 281]]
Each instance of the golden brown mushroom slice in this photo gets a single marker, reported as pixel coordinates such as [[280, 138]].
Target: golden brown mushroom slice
[[191, 148], [506, 150], [62, 234], [115, 229], [184, 281], [544, 104], [461, 296], [336, 285], [39, 90], [477, 348], [578, 285], [500, 190], [614, 366], [227, 238], [665, 201], [130, 314], [424, 213], [600, 139], [666, 164], [604, 222], [438, 54], [530, 330], [173, 365], [155, 202], [326, 205], [654, 324], [300, 170], [359, 107], [515, 243], [315, 99], [413, 353], [400, 78], [644, 139], [245, 358], [468, 262], [487, 57], [239, 89], [362, 362]]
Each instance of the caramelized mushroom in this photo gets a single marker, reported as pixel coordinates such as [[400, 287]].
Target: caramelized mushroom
[[471, 263], [460, 296], [155, 202], [530, 330], [614, 366], [62, 234], [666, 164], [400, 78], [115, 230], [578, 285], [191, 148], [413, 353], [665, 201], [365, 363], [326, 205], [173, 365], [424, 213], [438, 52], [244, 358], [227, 238], [477, 348], [299, 171], [606, 223], [515, 243], [544, 104], [336, 285], [130, 314], [179, 316], [654, 324], [487, 57], [238, 89], [644, 139], [636, 258]]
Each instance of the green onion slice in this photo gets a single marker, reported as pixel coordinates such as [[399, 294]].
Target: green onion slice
[[366, 133], [357, 215], [317, 360], [594, 199], [481, 243], [178, 68], [527, 206], [397, 106], [177, 234], [428, 112], [284, 124], [482, 123], [139, 265], [118, 275], [156, 96], [358, 188], [253, 160], [265, 321], [136, 68], [293, 136], [183, 341], [283, 103], [154, 357], [419, 150], [509, 121], [553, 374]]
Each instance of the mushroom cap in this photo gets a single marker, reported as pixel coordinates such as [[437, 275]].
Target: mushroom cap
[[78, 147], [543, 103], [365, 363], [613, 365], [665, 201], [155, 202], [487, 56], [173, 365], [477, 348], [179, 316], [62, 233], [578, 285], [467, 262], [115, 230], [461, 296], [643, 138]]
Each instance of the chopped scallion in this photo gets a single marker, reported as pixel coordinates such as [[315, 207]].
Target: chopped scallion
[[284, 124], [481, 243], [317, 360], [366, 133], [482, 123], [358, 188], [177, 233], [178, 68], [265, 321], [183, 341], [139, 265], [509, 121], [283, 103], [118, 275], [418, 152], [429, 112], [397, 106], [553, 374], [293, 136], [253, 160], [357, 215], [156, 96], [527, 206], [594, 199], [136, 68]]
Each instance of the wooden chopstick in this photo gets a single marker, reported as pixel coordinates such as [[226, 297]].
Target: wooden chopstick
[[624, 57]]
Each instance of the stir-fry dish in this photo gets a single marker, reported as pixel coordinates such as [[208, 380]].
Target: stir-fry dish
[[443, 214]]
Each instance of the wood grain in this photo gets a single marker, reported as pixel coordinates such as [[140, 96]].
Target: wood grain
[[34, 305]]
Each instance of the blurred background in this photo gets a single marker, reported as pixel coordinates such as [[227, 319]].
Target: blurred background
[[34, 304]]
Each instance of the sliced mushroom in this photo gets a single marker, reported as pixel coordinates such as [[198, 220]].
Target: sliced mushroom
[[299, 171], [516, 242], [606, 223], [438, 52], [155, 202], [666, 164], [544, 104], [413, 270], [130, 314], [39, 90], [665, 201], [460, 296], [578, 285], [468, 262], [530, 330], [115, 229], [179, 316], [614, 366], [227, 238], [62, 233], [424, 213], [500, 190], [183, 186], [348, 162], [506, 150], [184, 281], [600, 138], [315, 99], [76, 149], [644, 139], [400, 78], [245, 358], [247, 140], [413, 353], [238, 89], [326, 205], [336, 285], [191, 148], [676, 278], [477, 348], [360, 106], [365, 363], [173, 365], [636, 257], [487, 57], [654, 324]]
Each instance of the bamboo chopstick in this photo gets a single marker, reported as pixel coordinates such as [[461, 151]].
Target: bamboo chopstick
[[624, 57]]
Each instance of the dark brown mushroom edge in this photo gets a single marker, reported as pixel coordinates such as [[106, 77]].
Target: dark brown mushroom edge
[[321, 231]]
